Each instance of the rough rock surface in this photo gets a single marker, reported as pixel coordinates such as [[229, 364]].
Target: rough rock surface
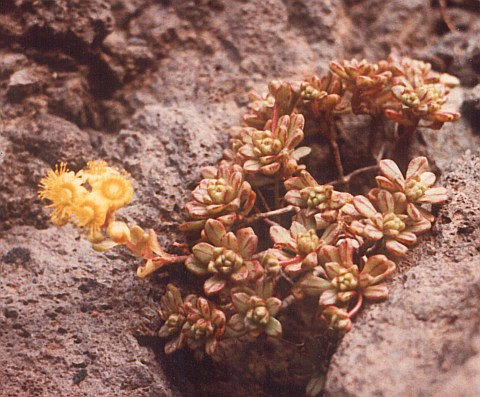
[[154, 86], [425, 340]]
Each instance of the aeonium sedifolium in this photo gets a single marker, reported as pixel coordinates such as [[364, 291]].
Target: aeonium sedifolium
[[264, 232]]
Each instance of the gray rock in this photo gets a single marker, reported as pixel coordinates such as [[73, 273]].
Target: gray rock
[[424, 341]]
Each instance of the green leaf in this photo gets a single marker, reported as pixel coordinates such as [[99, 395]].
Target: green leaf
[[247, 242], [301, 152], [313, 286], [241, 301], [315, 386], [215, 231], [273, 328], [203, 252], [195, 266], [214, 285]]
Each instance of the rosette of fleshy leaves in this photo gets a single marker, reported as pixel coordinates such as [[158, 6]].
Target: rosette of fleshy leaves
[[368, 82], [387, 217], [226, 258], [255, 311], [194, 322], [286, 96], [420, 93], [270, 152], [417, 186], [173, 312], [297, 248], [340, 279], [337, 318], [320, 201], [223, 194], [270, 264], [260, 110], [322, 94], [204, 326]]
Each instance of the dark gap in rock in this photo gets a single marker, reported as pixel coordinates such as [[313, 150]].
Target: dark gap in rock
[[103, 81], [7, 6]]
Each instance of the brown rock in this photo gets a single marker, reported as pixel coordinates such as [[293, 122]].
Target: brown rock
[[424, 340]]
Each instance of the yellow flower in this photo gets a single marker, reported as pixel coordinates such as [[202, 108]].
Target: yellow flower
[[91, 213], [95, 170], [63, 189], [116, 189], [118, 232]]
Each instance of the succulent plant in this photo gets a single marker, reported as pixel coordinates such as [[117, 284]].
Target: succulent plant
[[323, 94], [337, 318], [420, 94], [256, 310], [344, 280], [367, 81], [173, 312], [417, 186], [320, 201], [326, 245], [389, 222], [297, 248], [260, 110], [204, 326], [226, 258], [224, 196], [270, 152]]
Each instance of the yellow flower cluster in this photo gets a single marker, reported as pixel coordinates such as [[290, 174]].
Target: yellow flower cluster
[[88, 198]]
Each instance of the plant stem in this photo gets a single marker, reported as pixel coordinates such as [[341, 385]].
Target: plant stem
[[348, 177], [275, 116], [276, 192], [357, 306], [262, 199], [334, 146], [263, 215], [287, 301]]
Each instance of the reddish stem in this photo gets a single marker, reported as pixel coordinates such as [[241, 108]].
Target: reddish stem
[[275, 116], [357, 306], [171, 258], [263, 215]]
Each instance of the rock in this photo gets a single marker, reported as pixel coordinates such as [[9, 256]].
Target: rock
[[424, 340], [179, 142], [72, 341], [10, 62], [471, 107], [26, 82], [154, 87], [89, 21]]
